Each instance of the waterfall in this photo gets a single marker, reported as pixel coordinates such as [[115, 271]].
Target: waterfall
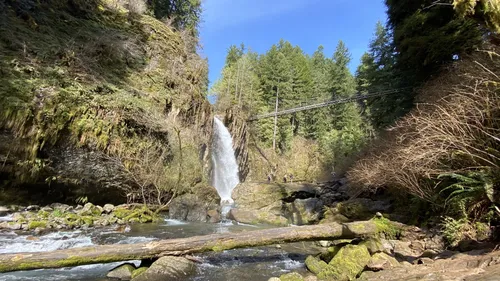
[[225, 169]]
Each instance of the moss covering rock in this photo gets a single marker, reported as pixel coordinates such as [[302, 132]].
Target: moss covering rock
[[315, 265], [122, 272], [139, 271], [69, 218], [346, 264]]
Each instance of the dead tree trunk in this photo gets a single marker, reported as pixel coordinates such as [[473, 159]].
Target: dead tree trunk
[[182, 246]]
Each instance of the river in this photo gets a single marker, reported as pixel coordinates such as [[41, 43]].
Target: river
[[254, 264]]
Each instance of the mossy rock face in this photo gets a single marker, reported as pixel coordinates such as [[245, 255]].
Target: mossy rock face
[[315, 265], [69, 110], [346, 264], [293, 276]]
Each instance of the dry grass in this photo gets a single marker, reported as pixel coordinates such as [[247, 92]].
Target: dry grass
[[454, 128]]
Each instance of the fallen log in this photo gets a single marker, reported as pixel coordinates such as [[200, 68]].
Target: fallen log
[[183, 246]]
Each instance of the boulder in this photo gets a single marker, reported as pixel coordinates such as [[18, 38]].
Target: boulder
[[169, 268], [346, 264], [293, 276], [315, 265], [213, 216], [279, 204], [108, 208], [195, 206], [381, 261], [122, 272], [374, 245]]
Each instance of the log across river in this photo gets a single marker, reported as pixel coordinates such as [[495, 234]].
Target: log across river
[[183, 246]]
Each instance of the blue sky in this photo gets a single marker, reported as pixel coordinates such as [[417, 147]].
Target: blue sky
[[306, 23]]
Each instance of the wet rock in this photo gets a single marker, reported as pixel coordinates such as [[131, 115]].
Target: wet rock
[[108, 208], [293, 276], [346, 264], [168, 268], [382, 261], [122, 272], [315, 265]]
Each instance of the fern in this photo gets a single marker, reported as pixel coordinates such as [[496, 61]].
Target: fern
[[469, 190]]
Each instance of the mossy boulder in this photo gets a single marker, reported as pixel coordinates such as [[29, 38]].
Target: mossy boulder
[[139, 271], [168, 268], [315, 265], [346, 264], [122, 272], [374, 245], [293, 276], [37, 224], [330, 253]]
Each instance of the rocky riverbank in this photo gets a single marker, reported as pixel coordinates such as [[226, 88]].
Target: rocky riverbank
[[61, 216], [399, 252]]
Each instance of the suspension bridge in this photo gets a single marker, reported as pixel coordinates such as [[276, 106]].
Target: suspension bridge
[[324, 104]]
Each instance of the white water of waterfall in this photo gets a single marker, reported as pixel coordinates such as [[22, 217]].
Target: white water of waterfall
[[225, 169]]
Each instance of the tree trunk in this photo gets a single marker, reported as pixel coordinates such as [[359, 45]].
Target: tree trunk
[[182, 246]]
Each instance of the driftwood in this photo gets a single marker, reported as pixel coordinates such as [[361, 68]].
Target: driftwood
[[182, 246]]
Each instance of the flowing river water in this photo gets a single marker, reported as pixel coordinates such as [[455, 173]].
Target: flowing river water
[[259, 263]]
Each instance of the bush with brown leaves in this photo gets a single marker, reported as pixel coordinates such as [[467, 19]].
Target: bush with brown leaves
[[454, 128]]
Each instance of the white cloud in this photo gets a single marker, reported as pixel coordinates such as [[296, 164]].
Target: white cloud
[[219, 14]]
